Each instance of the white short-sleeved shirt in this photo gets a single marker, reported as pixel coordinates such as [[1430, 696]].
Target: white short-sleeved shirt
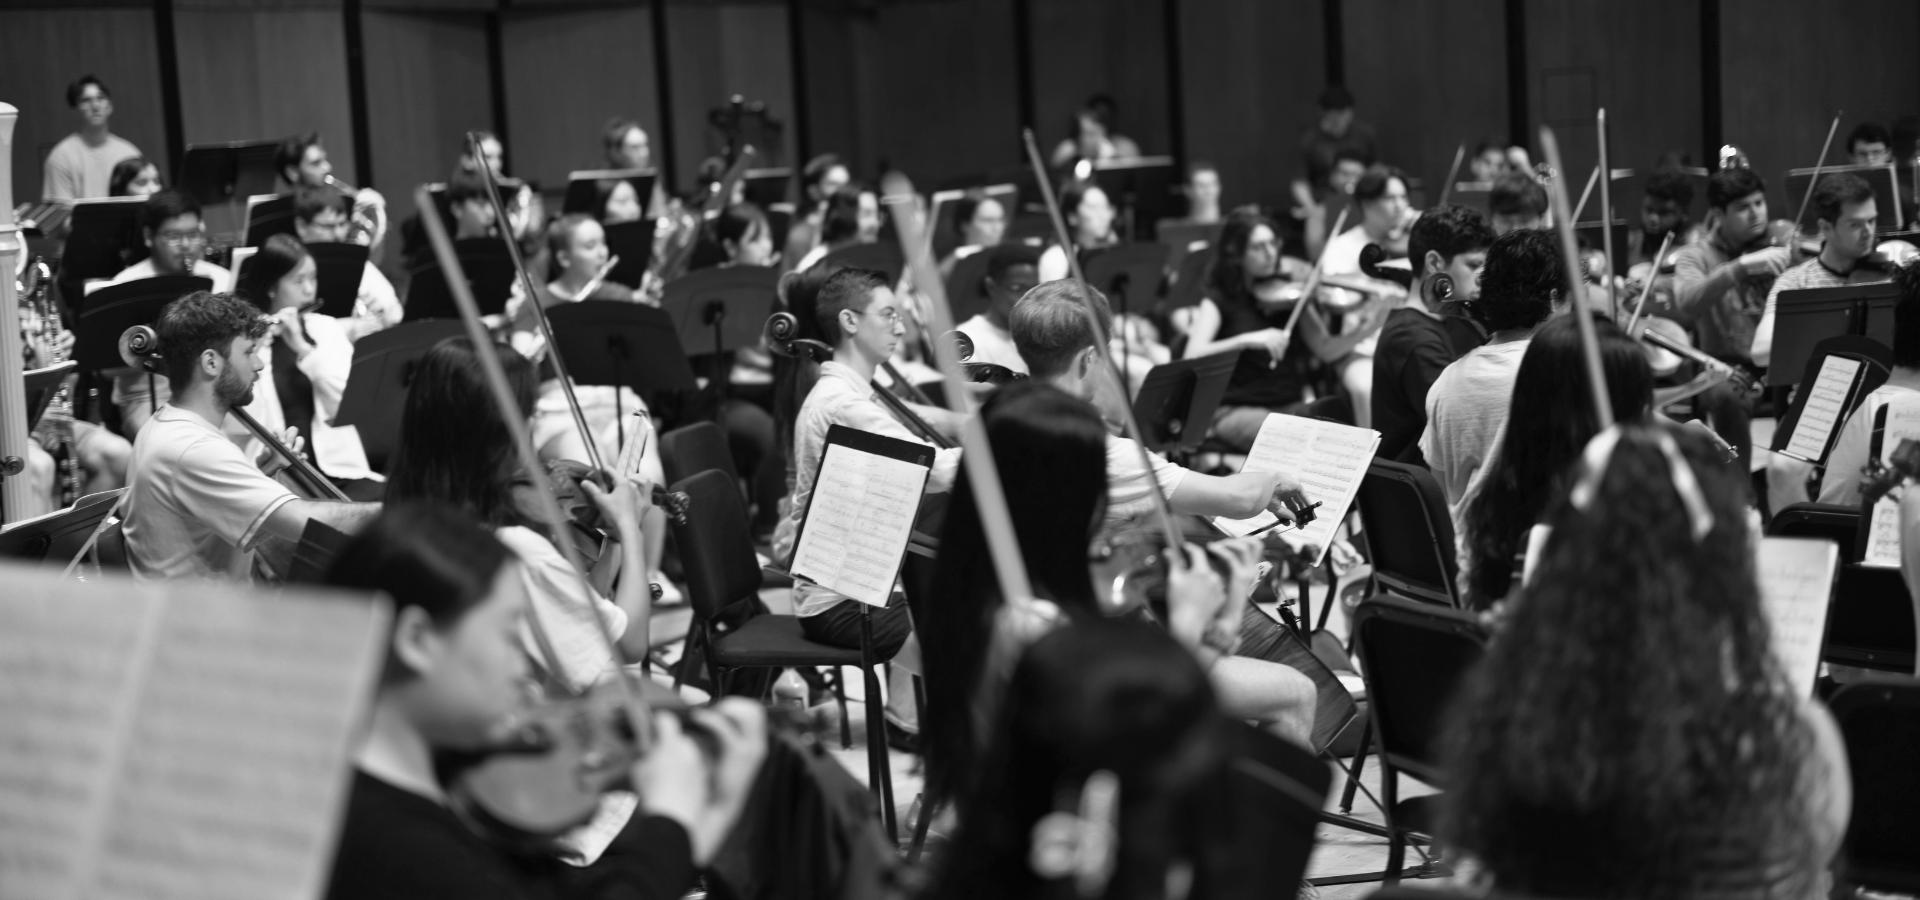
[[1466, 408], [581, 656], [196, 503], [222, 279], [991, 344], [1127, 491]]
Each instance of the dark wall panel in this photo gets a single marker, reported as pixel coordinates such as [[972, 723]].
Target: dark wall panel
[[426, 86], [1246, 105], [1789, 67], [1428, 76], [1115, 47], [717, 51], [567, 72], [41, 50], [251, 74]]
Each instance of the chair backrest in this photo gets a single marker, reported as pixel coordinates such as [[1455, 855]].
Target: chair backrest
[[689, 450], [1278, 789], [1880, 720], [1839, 524], [1870, 623], [54, 538], [1409, 533], [1414, 655], [716, 547]]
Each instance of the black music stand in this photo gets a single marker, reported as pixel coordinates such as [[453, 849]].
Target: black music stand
[[115, 308], [1629, 192], [490, 273], [612, 342], [1473, 195], [41, 385], [1879, 365], [1142, 189], [1177, 400], [1129, 274], [633, 243], [268, 215], [945, 224], [1190, 279], [779, 222], [103, 237], [967, 287], [217, 174], [583, 189], [1884, 180], [341, 267], [765, 187], [1182, 238], [55, 538], [1802, 319], [1591, 236], [717, 310], [884, 257], [376, 391]]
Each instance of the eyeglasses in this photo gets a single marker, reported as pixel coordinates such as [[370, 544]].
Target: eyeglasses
[[181, 238], [892, 316]]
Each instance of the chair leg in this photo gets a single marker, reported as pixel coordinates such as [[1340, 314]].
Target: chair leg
[[877, 762], [840, 695], [920, 827], [1359, 766], [1396, 836]]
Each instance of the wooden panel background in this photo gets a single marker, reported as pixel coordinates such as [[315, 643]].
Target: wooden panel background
[[717, 51], [426, 86], [1247, 100], [43, 50], [1428, 76], [567, 73], [247, 74]]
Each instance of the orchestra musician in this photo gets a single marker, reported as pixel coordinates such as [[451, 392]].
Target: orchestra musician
[[1322, 146], [1493, 158], [1852, 450], [1869, 144], [176, 239], [746, 239], [627, 147], [1385, 218], [851, 216], [982, 222], [1012, 271], [1845, 212], [1416, 344], [301, 161], [1094, 136], [1516, 202], [308, 357], [134, 177], [1090, 214], [100, 455], [80, 166], [454, 675], [320, 217], [821, 179], [197, 506]]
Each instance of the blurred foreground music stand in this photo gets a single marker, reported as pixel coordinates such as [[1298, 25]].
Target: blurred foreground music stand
[[583, 189], [490, 273], [340, 269], [717, 310], [1804, 318], [376, 391], [1177, 400], [103, 237], [610, 342], [633, 243]]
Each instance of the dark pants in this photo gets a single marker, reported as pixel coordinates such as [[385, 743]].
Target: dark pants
[[839, 626], [750, 441]]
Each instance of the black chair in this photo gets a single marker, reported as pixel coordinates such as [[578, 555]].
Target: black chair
[[1870, 623], [1880, 720], [1839, 524], [1409, 532], [723, 577], [320, 544], [1414, 655], [689, 450], [55, 538], [1278, 789]]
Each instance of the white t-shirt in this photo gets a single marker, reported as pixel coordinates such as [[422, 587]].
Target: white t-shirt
[[1465, 411], [992, 345], [222, 279], [581, 655], [1127, 490], [196, 502], [1342, 257], [77, 170], [336, 447]]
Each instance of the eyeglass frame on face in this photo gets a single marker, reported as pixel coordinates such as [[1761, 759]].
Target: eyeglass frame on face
[[892, 316], [180, 238]]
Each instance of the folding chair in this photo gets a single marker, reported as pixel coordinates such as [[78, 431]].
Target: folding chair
[[1840, 524], [1415, 654], [1409, 532], [1880, 720], [692, 449], [722, 571]]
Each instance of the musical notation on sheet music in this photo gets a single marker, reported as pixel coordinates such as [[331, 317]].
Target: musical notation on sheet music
[[1796, 586], [858, 522], [1883, 529], [1329, 458], [1825, 408]]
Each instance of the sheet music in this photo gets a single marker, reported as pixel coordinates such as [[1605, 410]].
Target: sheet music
[[858, 522], [179, 741], [1329, 458], [1536, 547], [1796, 585], [1883, 531], [1826, 406]]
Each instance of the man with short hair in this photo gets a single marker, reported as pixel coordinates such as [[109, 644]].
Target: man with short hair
[[301, 161], [1845, 211], [80, 166], [197, 507], [1382, 195], [1870, 145], [1853, 448], [1416, 344], [1336, 130], [1523, 284], [1517, 202], [1012, 271], [177, 238], [320, 217]]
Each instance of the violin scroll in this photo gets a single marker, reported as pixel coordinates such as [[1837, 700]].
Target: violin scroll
[[140, 349]]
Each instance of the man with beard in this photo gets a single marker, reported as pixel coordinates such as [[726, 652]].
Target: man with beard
[[197, 507]]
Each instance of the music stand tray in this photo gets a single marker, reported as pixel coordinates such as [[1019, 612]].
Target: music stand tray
[[1177, 400], [376, 391], [765, 187], [115, 308], [341, 266], [268, 215], [54, 538], [716, 310], [633, 243], [583, 188], [613, 342], [490, 273], [103, 237], [41, 385], [1130, 274], [1802, 319], [1885, 181], [1144, 186]]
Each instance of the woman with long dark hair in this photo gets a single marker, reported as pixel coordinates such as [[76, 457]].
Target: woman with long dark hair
[[1115, 711], [455, 449], [1550, 420], [308, 364], [1629, 733]]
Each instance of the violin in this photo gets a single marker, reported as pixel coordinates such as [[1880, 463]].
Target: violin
[[1902, 465]]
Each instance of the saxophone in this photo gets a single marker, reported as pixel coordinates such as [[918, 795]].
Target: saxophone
[[56, 424]]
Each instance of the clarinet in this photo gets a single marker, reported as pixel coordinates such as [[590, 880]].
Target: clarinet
[[58, 418]]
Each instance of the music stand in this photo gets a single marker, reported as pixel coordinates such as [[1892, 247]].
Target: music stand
[[103, 237], [490, 273], [223, 174], [1879, 365], [56, 537], [616, 343], [376, 391], [115, 308], [341, 266], [268, 215], [1142, 189], [1129, 274], [1802, 319], [1190, 282], [765, 187], [1629, 193], [779, 222], [966, 286], [633, 243], [41, 385], [1884, 180], [942, 207], [884, 256], [1177, 400], [583, 189], [716, 310], [1183, 238], [1594, 238], [1473, 195]]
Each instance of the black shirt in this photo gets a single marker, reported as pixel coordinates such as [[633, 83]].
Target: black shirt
[[399, 845], [1255, 382], [1414, 348]]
